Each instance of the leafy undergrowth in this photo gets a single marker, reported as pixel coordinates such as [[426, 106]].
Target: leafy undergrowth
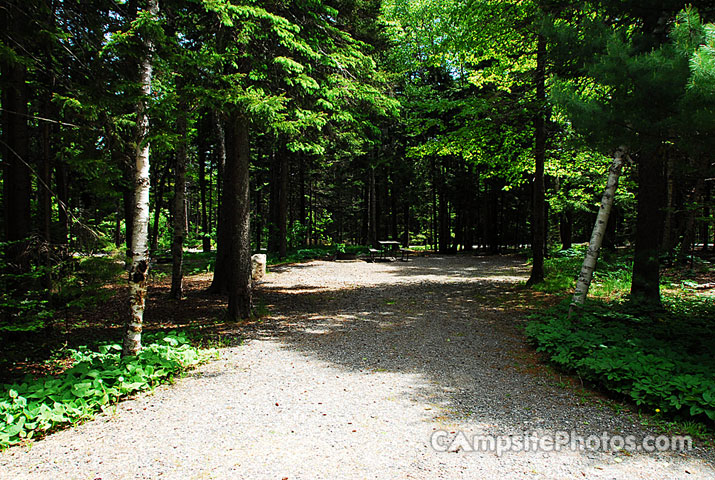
[[663, 362], [611, 279], [97, 379]]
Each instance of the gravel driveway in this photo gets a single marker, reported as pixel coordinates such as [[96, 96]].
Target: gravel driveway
[[359, 368]]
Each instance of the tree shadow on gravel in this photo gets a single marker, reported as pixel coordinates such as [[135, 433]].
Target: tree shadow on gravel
[[461, 332]]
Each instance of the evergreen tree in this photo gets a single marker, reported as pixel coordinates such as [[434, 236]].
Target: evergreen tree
[[626, 87]]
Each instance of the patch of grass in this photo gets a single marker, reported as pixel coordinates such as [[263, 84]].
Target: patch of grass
[[559, 275], [199, 262], [194, 263], [694, 429], [97, 380], [612, 284], [560, 270], [612, 277]]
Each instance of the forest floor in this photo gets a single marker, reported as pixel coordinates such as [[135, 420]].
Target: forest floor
[[349, 372]]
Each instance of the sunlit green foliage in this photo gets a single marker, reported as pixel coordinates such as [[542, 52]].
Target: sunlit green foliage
[[97, 380], [661, 362]]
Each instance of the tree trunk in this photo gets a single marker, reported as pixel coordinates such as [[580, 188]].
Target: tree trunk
[[238, 209], [492, 218], [202, 149], [282, 212], [645, 286], [470, 197], [48, 133], [273, 200], [372, 210], [158, 204], [301, 200], [311, 211], [140, 218], [566, 229], [445, 233], [667, 243], [118, 225], [406, 216], [546, 218], [433, 223], [291, 207], [223, 239], [381, 205], [693, 206], [458, 238], [210, 188], [365, 214], [259, 212], [45, 198], [705, 233], [62, 202], [538, 226], [589, 263], [43, 187], [15, 141], [393, 211], [338, 179], [179, 224]]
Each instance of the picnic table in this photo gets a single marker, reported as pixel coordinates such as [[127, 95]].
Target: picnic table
[[389, 248]]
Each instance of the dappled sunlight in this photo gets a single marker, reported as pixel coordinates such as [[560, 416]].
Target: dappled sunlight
[[341, 276], [454, 268], [447, 330]]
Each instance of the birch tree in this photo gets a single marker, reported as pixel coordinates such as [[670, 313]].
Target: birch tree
[[633, 77], [140, 217], [599, 229]]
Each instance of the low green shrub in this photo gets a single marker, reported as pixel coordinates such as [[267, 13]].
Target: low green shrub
[[611, 279], [664, 362], [96, 380], [559, 274]]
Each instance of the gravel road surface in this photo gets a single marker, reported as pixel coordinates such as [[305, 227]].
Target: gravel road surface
[[359, 372]]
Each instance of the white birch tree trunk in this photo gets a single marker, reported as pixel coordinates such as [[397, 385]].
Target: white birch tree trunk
[[140, 215], [599, 229]]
